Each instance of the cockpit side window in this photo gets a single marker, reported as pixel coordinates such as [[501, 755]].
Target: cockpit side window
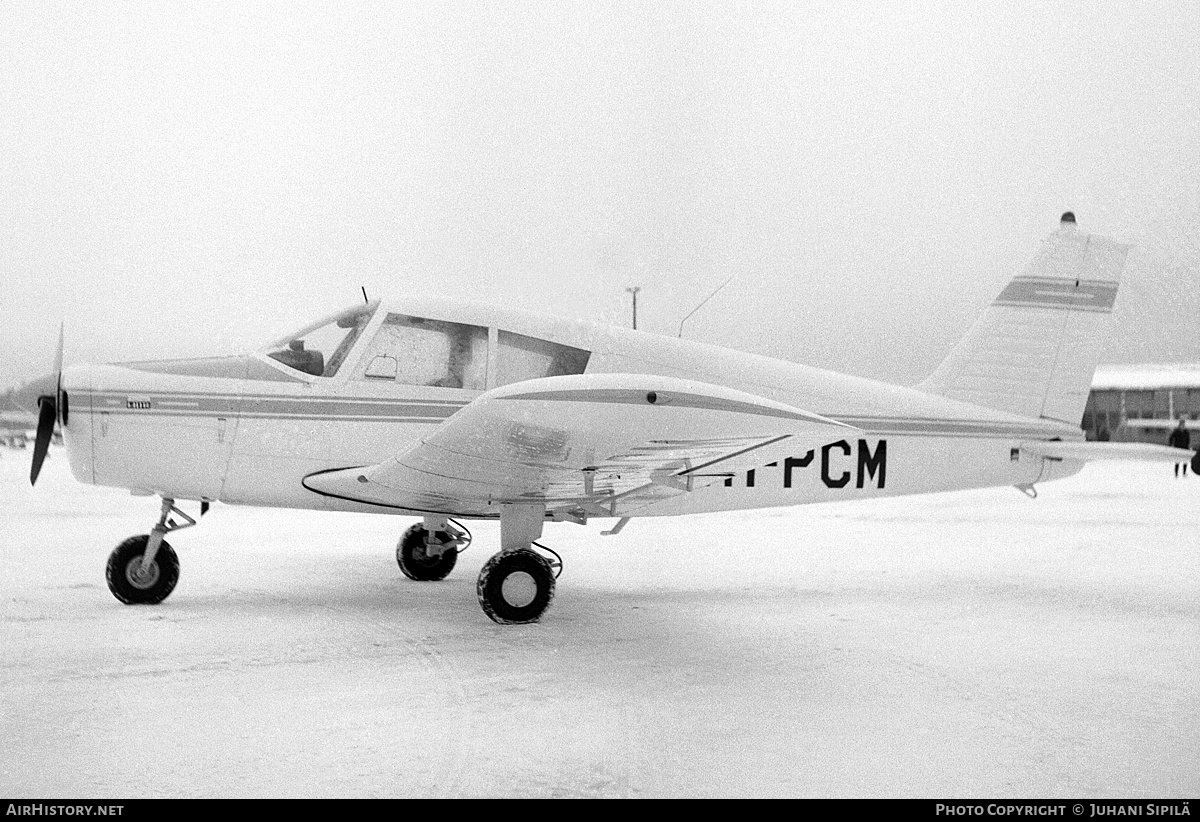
[[418, 351], [528, 358], [320, 350]]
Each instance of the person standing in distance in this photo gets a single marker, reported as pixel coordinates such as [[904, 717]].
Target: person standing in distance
[[1180, 439]]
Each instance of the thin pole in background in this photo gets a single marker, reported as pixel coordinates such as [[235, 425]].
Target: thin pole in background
[[634, 291]]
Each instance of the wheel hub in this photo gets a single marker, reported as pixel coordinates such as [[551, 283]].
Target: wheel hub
[[139, 577], [518, 589], [429, 553]]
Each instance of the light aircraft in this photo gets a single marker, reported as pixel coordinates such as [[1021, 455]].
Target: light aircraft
[[450, 411]]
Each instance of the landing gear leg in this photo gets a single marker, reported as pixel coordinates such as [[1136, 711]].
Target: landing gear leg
[[143, 569], [516, 586]]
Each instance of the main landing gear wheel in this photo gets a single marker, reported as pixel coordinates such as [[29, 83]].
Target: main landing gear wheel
[[132, 584], [516, 587], [418, 562]]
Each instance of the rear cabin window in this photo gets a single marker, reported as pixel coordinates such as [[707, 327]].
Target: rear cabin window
[[416, 351], [527, 358]]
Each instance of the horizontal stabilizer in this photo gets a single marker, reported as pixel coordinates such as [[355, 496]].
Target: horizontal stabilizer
[[1085, 451]]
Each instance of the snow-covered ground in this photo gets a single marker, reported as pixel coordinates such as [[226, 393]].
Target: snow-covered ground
[[969, 644]]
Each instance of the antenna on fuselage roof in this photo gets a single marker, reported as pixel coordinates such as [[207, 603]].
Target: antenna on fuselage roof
[[702, 302], [364, 291]]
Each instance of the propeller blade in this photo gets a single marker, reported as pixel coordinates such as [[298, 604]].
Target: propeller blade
[[60, 406], [47, 411], [49, 408]]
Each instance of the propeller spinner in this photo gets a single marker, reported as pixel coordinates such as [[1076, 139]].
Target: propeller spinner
[[51, 408]]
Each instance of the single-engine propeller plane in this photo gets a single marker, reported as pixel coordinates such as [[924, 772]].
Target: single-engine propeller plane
[[450, 411]]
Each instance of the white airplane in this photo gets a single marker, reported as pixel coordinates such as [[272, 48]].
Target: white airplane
[[450, 411]]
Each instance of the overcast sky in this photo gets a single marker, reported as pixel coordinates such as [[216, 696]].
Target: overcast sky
[[182, 179]]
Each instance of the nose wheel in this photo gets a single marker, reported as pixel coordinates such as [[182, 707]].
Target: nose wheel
[[136, 583]]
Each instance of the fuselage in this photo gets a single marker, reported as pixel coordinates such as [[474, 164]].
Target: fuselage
[[249, 429]]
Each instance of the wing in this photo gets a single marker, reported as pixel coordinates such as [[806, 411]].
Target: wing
[[593, 444]]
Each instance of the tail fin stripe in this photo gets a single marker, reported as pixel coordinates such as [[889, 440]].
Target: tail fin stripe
[[1089, 295]]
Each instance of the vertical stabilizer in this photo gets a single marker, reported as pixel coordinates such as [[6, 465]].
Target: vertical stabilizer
[[1035, 348]]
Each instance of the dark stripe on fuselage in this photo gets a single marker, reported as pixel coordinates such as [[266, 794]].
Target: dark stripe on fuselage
[[180, 404], [208, 395], [669, 399], [335, 409]]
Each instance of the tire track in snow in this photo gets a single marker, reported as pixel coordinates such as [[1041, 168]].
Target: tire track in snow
[[455, 779]]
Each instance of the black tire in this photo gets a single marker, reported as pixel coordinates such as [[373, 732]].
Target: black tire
[[518, 602], [1196, 463], [418, 565], [124, 562]]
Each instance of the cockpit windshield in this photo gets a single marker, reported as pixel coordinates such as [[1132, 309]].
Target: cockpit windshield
[[321, 348]]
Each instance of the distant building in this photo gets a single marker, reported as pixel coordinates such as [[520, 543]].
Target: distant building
[[16, 422], [1142, 403]]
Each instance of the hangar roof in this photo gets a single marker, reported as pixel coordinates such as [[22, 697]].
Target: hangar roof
[[1146, 376]]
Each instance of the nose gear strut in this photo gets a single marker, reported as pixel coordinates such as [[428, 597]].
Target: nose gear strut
[[143, 569]]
